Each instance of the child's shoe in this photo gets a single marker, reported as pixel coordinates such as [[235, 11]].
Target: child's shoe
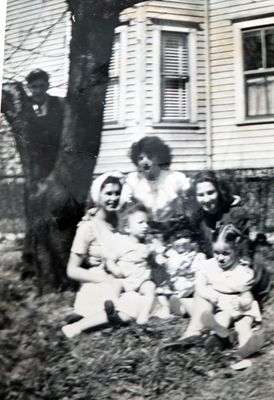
[[182, 343], [214, 342], [210, 322], [112, 313], [252, 346]]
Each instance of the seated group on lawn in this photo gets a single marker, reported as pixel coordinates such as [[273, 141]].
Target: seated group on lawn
[[157, 243]]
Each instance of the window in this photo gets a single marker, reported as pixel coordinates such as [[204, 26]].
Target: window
[[113, 110], [258, 45], [255, 58], [175, 75]]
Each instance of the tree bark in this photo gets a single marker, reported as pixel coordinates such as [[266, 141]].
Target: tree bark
[[56, 203]]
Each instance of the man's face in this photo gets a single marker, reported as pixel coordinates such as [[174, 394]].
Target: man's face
[[38, 89]]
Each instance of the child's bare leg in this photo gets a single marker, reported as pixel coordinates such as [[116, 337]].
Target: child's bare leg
[[175, 305], [217, 323], [199, 307], [147, 290], [188, 305], [244, 329], [223, 318], [181, 306], [249, 341]]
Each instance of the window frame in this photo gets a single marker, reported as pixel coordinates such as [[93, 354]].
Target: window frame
[[192, 49], [240, 90], [120, 122]]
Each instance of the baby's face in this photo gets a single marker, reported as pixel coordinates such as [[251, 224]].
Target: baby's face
[[224, 254], [138, 225], [182, 244]]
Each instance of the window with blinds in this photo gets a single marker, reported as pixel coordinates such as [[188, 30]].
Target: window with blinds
[[174, 76], [112, 101], [258, 61]]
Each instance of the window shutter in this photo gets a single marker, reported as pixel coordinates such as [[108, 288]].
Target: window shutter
[[174, 76], [112, 100]]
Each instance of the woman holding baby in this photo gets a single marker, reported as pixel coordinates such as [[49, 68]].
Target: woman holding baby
[[166, 197]]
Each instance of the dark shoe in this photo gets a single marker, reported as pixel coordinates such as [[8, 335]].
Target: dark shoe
[[210, 322], [112, 314], [213, 343], [252, 346], [183, 343], [73, 317]]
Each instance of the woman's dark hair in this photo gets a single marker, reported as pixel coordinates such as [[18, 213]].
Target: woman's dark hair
[[37, 74], [225, 196], [182, 233], [152, 146], [111, 179]]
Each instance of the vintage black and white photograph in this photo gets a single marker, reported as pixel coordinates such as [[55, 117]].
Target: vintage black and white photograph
[[137, 200]]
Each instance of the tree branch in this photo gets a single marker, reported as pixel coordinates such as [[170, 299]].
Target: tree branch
[[104, 8]]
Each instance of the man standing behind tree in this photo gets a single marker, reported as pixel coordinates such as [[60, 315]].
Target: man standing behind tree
[[45, 124], [44, 117]]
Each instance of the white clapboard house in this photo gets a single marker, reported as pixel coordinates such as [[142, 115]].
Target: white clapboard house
[[198, 73]]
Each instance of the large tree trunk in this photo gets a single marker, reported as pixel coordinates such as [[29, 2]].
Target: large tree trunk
[[56, 204]]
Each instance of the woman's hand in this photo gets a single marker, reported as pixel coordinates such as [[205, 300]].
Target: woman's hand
[[113, 268]]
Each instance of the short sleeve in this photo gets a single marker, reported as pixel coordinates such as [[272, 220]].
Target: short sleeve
[[246, 277], [83, 237], [182, 182], [127, 190]]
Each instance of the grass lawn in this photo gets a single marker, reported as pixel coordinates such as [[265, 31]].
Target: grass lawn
[[115, 363]]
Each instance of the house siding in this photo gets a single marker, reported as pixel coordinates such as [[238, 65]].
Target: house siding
[[187, 145], [234, 146], [36, 37]]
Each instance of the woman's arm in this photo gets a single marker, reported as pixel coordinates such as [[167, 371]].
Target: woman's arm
[[76, 272]]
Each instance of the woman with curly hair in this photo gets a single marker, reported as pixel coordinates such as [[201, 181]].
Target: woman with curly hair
[[161, 190]]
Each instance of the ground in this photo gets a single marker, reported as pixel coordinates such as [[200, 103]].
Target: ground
[[37, 362]]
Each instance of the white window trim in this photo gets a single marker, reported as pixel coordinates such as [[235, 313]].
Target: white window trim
[[122, 30], [240, 98], [192, 39]]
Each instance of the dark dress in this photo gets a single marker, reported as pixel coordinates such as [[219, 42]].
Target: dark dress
[[45, 136]]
